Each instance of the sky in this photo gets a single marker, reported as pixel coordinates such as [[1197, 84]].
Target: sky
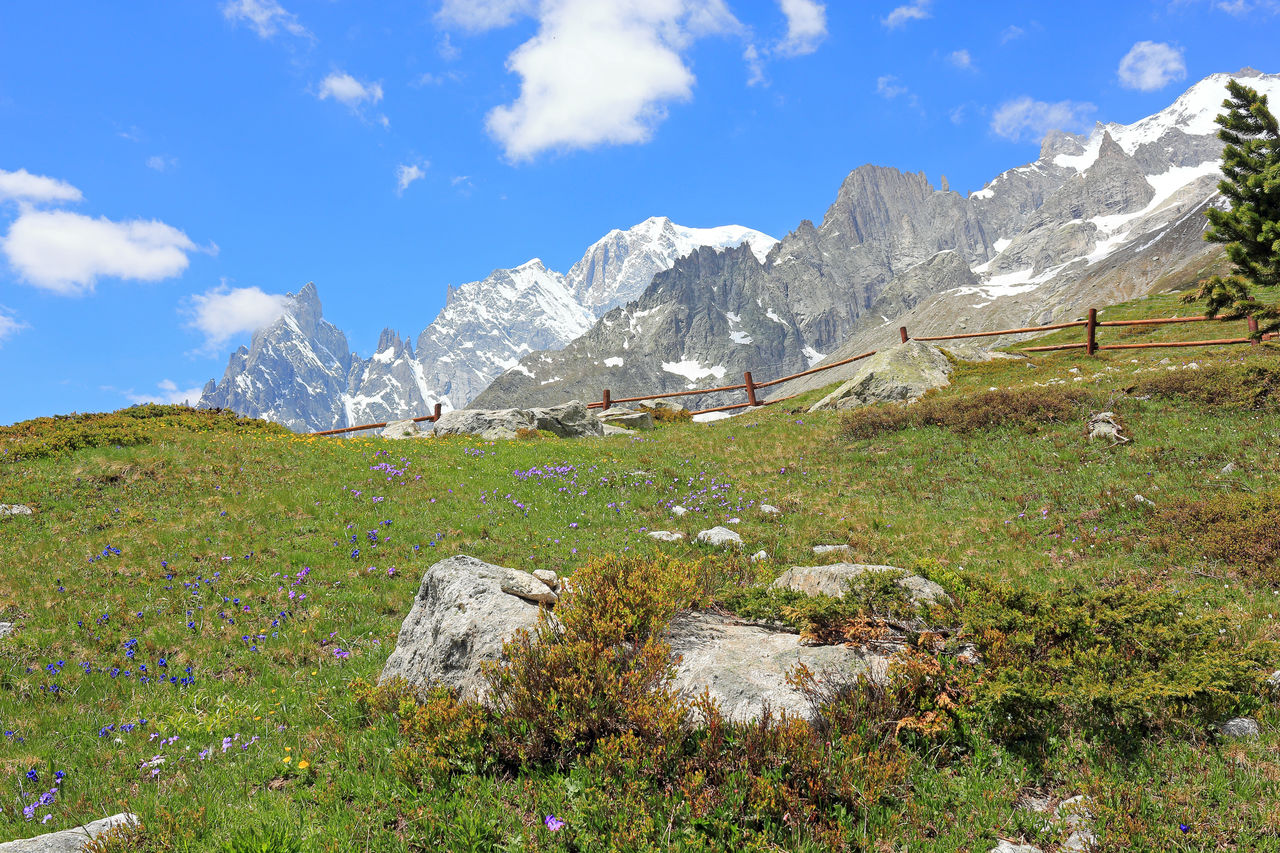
[[168, 171]]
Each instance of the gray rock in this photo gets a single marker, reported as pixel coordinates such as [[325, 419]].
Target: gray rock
[[1004, 846], [678, 511], [568, 420], [14, 509], [459, 620], [665, 535], [526, 586], [548, 577], [401, 429], [759, 556], [610, 429], [7, 628], [830, 549], [833, 580], [1240, 728], [1074, 812], [768, 509], [720, 537], [626, 418], [744, 667], [485, 423], [1273, 681], [69, 840], [1228, 468], [900, 373]]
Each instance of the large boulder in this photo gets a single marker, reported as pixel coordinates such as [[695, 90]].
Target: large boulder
[[833, 580], [489, 424], [626, 418], [904, 372], [744, 667], [401, 429], [68, 840], [461, 617], [568, 420]]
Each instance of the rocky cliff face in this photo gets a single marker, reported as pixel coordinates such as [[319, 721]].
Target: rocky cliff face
[[300, 371], [1095, 219]]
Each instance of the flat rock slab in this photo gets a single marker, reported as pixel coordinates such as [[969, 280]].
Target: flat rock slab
[[904, 372], [830, 549], [833, 580], [68, 840], [458, 622], [720, 537], [610, 429], [626, 418], [744, 667], [665, 535]]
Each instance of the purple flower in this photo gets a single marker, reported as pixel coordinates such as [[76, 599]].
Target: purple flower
[[554, 823]]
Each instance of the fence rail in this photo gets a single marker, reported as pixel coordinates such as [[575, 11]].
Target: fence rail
[[1090, 345]]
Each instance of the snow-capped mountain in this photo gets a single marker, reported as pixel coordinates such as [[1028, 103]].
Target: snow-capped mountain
[[300, 372], [1095, 219]]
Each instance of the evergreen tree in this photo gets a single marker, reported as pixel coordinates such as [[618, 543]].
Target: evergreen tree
[[1250, 228]]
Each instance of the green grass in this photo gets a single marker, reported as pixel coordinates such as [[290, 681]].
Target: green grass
[[216, 520]]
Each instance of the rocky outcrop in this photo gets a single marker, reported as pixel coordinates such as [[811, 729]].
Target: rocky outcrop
[[568, 420], [904, 372], [834, 580], [460, 619], [69, 840]]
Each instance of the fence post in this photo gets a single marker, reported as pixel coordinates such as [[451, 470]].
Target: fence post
[[435, 415], [1253, 330], [1091, 332], [902, 332], [751, 389], [604, 406]]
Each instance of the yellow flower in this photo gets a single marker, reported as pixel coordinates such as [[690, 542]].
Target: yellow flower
[[303, 765], [286, 759]]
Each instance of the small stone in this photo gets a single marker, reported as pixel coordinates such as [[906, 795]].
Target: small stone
[[1240, 728], [1228, 468], [7, 628], [548, 577], [1139, 499], [770, 510], [665, 535], [1273, 681], [1193, 366], [678, 510], [14, 509], [720, 537], [760, 556], [1009, 847], [830, 549], [734, 520]]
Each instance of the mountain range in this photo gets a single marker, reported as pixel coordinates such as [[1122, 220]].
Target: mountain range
[[1097, 218]]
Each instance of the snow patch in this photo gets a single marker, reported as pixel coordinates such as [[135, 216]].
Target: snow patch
[[692, 370], [613, 362]]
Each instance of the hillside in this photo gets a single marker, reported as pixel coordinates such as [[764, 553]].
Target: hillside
[[201, 603]]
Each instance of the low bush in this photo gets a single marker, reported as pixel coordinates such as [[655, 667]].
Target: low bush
[[1111, 665], [1250, 385], [1240, 529], [1021, 408], [668, 415]]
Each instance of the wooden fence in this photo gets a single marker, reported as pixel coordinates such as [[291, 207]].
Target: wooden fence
[[1090, 345]]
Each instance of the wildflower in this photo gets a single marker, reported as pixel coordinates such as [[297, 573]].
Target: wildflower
[[554, 823]]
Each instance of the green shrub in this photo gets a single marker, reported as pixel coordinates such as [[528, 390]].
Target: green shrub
[[1022, 408], [1237, 528], [1252, 385], [1112, 665], [667, 415], [275, 839]]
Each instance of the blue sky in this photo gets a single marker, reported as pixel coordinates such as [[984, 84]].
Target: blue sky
[[167, 170]]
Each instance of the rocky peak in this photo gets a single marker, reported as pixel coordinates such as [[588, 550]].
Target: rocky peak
[[305, 308]]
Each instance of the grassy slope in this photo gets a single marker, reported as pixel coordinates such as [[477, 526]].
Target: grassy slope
[[216, 532]]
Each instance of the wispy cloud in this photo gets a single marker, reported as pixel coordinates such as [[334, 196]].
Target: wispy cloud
[[9, 323], [161, 163], [1151, 65], [1027, 118], [265, 17], [345, 89], [961, 59], [806, 27], [167, 391], [917, 10], [1012, 32], [66, 253], [407, 173], [224, 312], [25, 187]]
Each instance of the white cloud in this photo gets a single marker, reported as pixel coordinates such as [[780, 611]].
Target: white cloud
[[1151, 65], [9, 324], [888, 86], [348, 90], [161, 164], [67, 253], [221, 313], [407, 174], [961, 59], [917, 10], [755, 66], [169, 393], [480, 15], [806, 26], [602, 73], [1011, 32], [1025, 117], [266, 17], [25, 187]]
